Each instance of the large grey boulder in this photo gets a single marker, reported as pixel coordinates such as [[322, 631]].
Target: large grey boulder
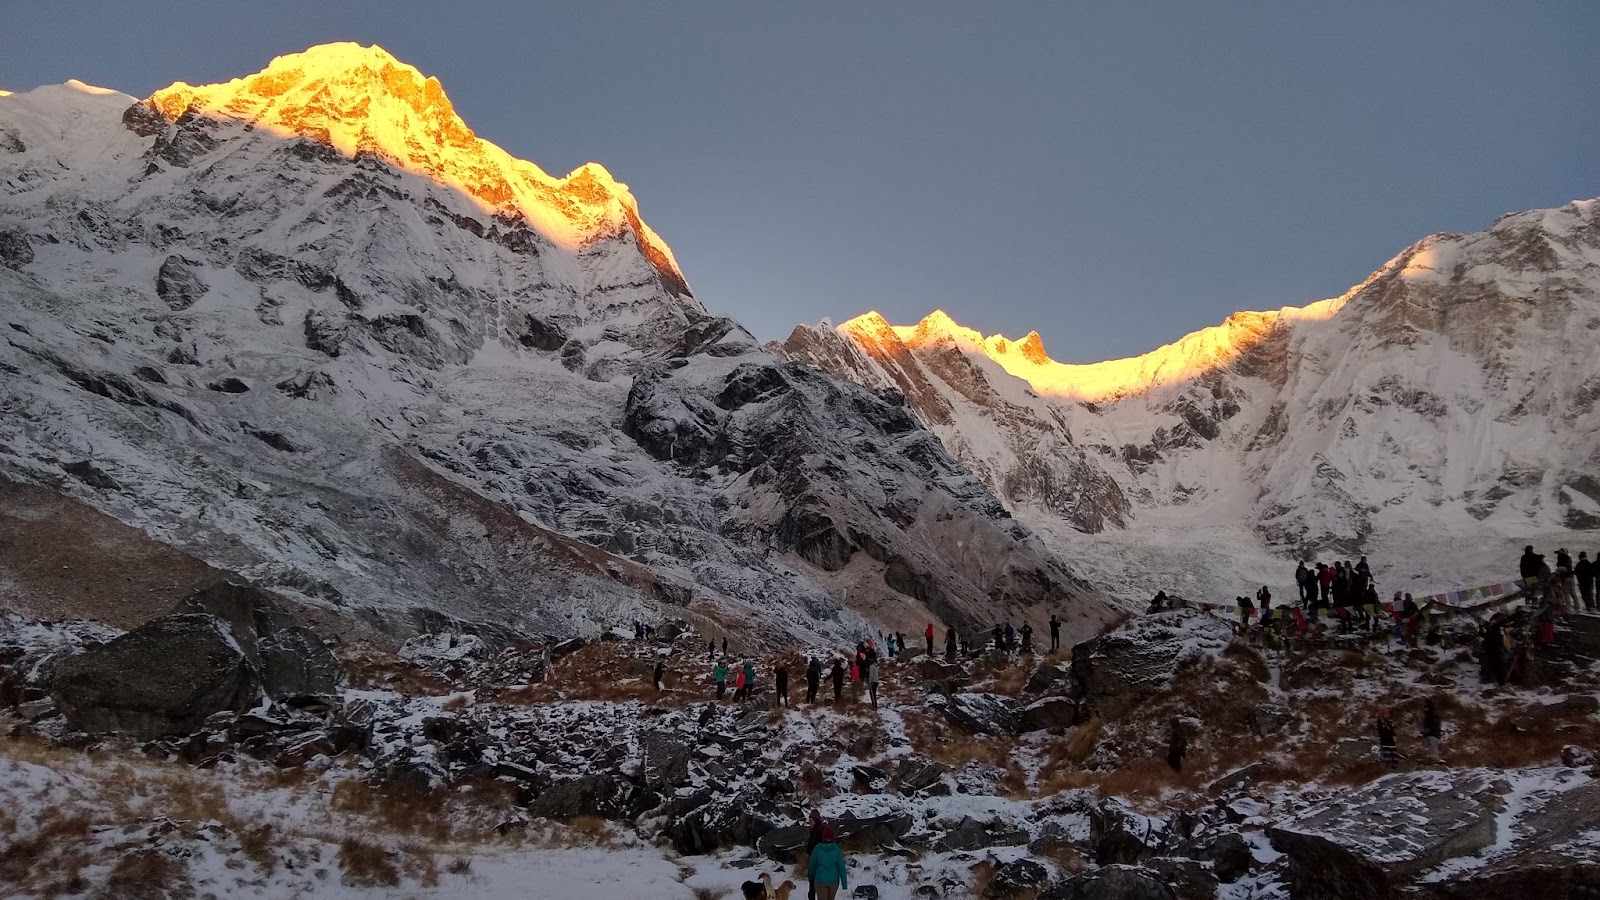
[[295, 663], [1119, 669], [1371, 843], [1051, 712], [165, 677], [249, 612], [981, 713]]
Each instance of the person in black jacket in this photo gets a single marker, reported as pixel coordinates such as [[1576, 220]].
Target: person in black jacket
[[1529, 564], [813, 678], [660, 673], [1432, 728], [1388, 749], [780, 683], [838, 681], [1055, 633], [950, 645], [1585, 570], [813, 838]]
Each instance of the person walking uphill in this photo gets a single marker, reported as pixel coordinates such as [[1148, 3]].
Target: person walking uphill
[[1432, 728], [813, 678], [826, 869], [928, 633], [813, 838], [838, 681], [780, 683], [720, 676]]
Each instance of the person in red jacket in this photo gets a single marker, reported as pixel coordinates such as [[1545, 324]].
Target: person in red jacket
[[928, 633]]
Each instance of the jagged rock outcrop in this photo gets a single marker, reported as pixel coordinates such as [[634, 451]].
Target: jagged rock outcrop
[[1117, 670]]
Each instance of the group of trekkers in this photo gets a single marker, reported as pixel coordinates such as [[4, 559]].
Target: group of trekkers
[[1568, 584], [1343, 594], [861, 668]]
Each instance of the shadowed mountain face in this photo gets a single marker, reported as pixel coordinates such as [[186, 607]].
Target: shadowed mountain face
[[1453, 391], [307, 326]]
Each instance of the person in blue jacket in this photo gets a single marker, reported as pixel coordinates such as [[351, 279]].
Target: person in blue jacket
[[826, 869]]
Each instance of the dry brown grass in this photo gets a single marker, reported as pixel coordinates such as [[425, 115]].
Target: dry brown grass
[[370, 666], [146, 875], [367, 864]]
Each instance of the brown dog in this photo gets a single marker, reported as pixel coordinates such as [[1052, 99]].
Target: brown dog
[[781, 892]]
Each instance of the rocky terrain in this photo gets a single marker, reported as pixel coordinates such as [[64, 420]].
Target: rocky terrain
[[225, 747], [1446, 401], [307, 327]]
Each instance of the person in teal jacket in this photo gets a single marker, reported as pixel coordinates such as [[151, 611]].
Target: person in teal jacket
[[826, 869]]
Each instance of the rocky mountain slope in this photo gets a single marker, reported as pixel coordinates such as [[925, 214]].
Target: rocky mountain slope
[[1452, 393], [307, 326]]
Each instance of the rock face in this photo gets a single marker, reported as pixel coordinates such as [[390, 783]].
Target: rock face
[[1111, 883], [1312, 427], [981, 713], [1113, 672], [166, 677], [1372, 842], [372, 357]]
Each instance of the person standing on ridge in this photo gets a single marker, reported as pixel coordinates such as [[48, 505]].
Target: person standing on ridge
[[1055, 633], [719, 674], [1388, 750], [780, 683], [928, 633], [724, 646], [1177, 745], [1302, 581], [1585, 573], [813, 678], [826, 868], [660, 673], [838, 681], [872, 680], [1432, 728], [950, 644], [739, 685], [1528, 565], [749, 674], [711, 650], [1027, 638]]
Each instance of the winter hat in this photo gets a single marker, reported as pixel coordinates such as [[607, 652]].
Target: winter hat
[[828, 832]]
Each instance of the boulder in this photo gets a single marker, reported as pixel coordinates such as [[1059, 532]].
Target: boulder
[[981, 713], [1548, 850], [603, 796], [877, 831], [1267, 719], [1122, 668], [1111, 883], [1372, 842], [1046, 677], [1119, 835], [163, 678], [1576, 757], [784, 844], [249, 612], [1051, 712], [1239, 777], [1189, 879], [917, 773], [1016, 879], [295, 664], [716, 818], [1227, 852], [665, 762]]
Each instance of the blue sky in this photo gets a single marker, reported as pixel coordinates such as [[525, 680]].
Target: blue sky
[[1112, 175]]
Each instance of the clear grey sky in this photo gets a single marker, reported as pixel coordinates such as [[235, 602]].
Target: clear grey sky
[[1110, 174]]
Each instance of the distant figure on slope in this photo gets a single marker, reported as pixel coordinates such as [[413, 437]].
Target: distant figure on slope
[[738, 685], [1027, 638], [1388, 750], [813, 678], [999, 637], [1055, 633], [1432, 728], [838, 681], [889, 645], [950, 645], [660, 673], [826, 868], [1157, 603], [724, 646], [1585, 573], [1325, 575], [928, 633], [719, 674], [1304, 582], [900, 642], [749, 674], [1245, 609], [711, 649], [1177, 745], [872, 680], [1373, 604], [546, 664], [1011, 638], [780, 683]]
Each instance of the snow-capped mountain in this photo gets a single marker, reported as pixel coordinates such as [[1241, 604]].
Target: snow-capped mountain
[[306, 325], [1451, 395]]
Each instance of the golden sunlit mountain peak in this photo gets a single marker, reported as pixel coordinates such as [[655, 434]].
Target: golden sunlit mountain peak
[[362, 100]]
